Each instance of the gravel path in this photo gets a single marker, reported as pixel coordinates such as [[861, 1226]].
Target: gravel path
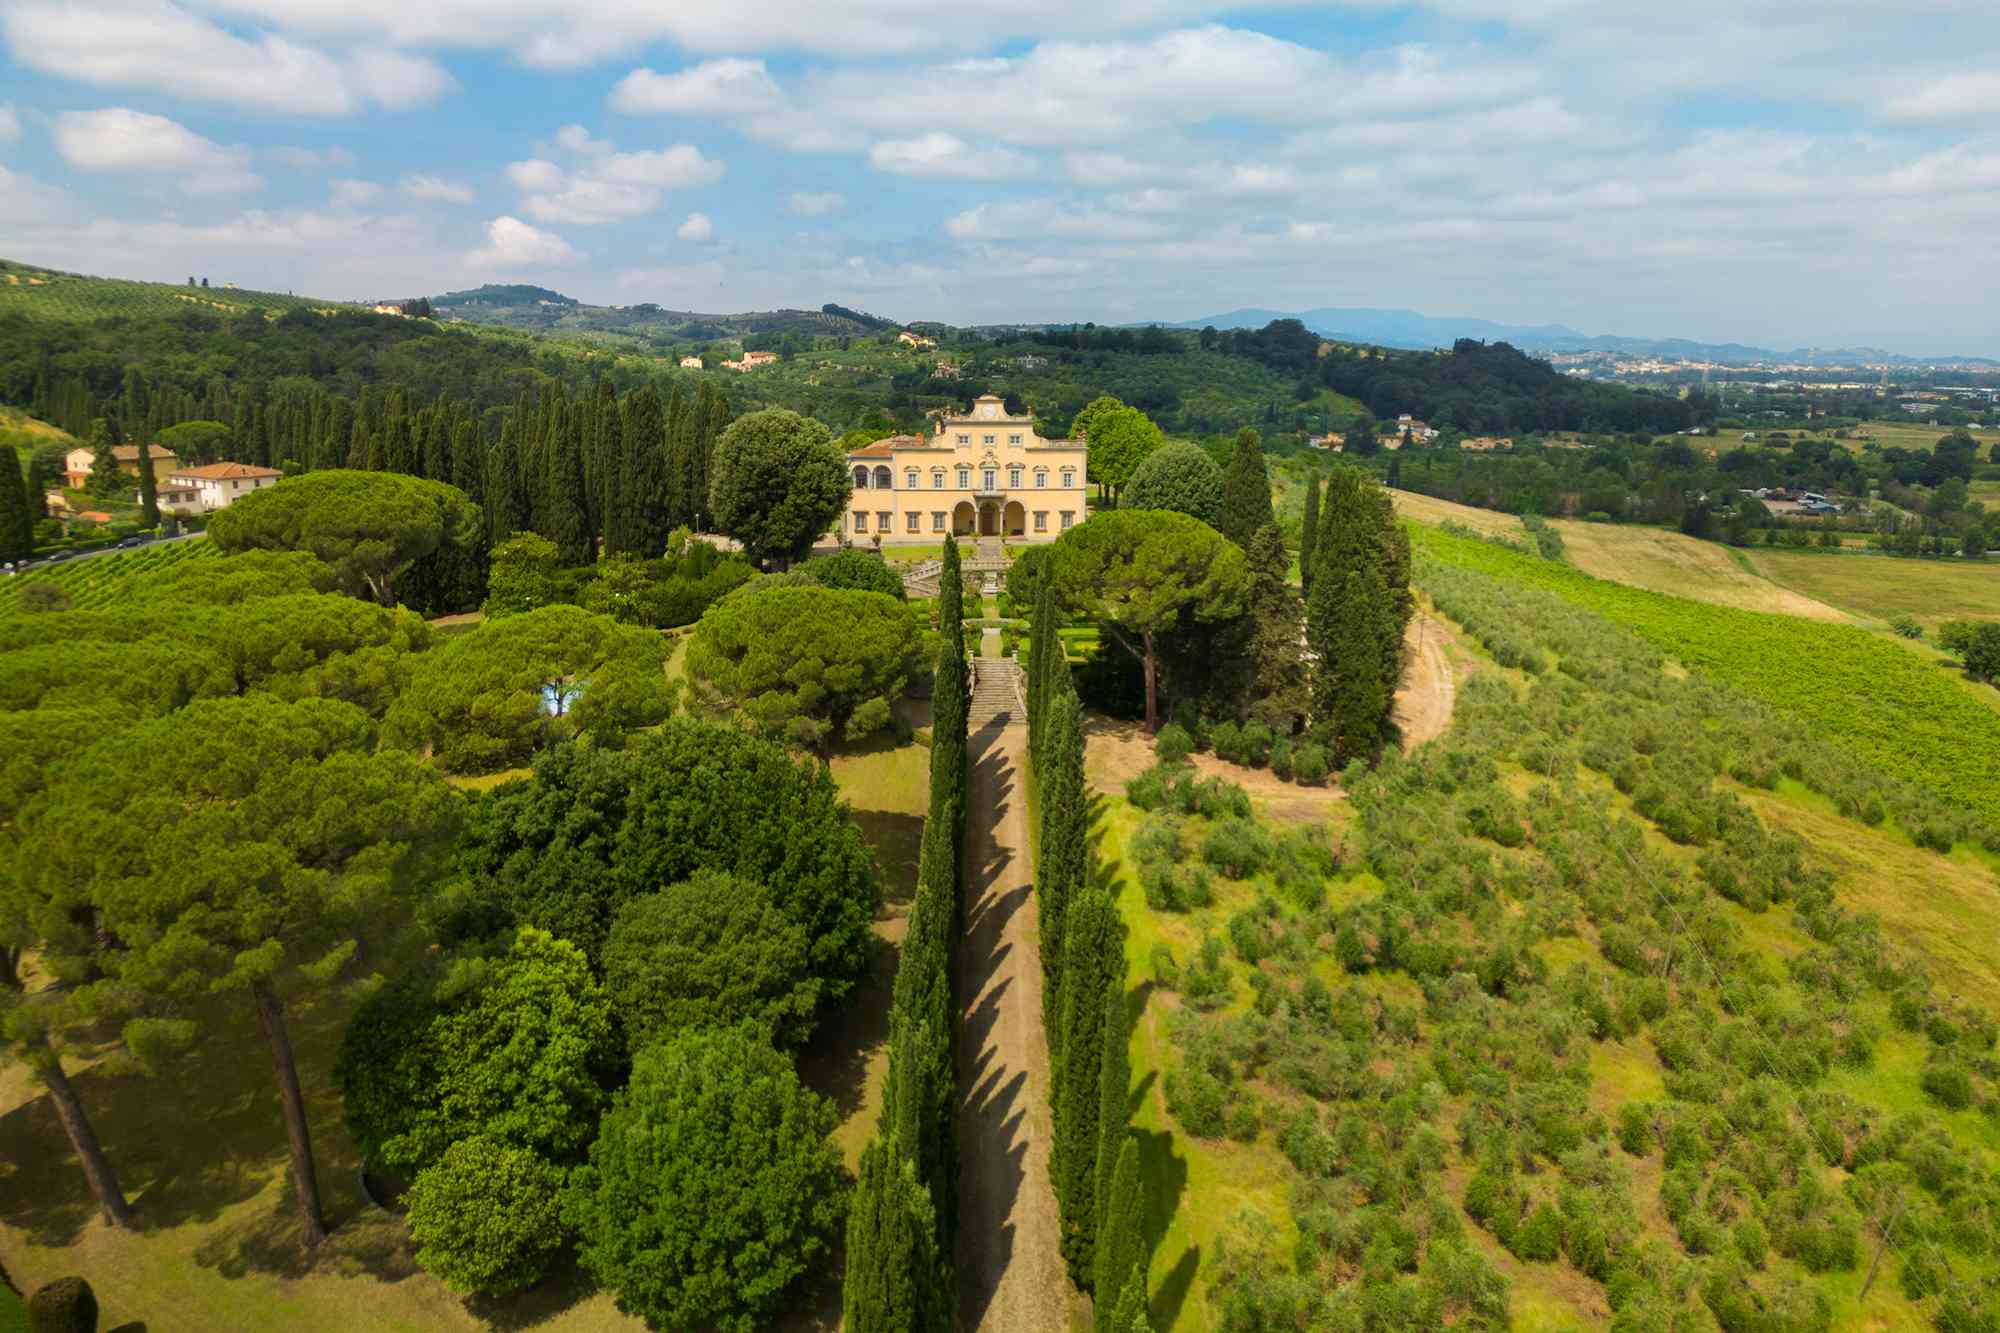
[[1010, 1269], [1424, 703]]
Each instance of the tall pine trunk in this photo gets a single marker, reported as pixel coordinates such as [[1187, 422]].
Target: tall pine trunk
[[271, 1017], [96, 1167]]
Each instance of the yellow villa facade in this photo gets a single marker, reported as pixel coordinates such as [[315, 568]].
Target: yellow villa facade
[[984, 474]]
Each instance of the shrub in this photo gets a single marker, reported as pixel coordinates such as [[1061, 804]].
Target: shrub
[[487, 1217], [41, 595], [1255, 744], [1907, 626], [1281, 758], [1310, 764], [66, 1305], [1237, 847], [1227, 740], [1173, 744], [1949, 1083], [1539, 1239]]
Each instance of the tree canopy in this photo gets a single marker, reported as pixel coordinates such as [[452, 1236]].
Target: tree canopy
[[368, 527], [711, 1188], [807, 664], [489, 699], [1142, 572], [863, 571], [1118, 439], [777, 483], [1180, 477]]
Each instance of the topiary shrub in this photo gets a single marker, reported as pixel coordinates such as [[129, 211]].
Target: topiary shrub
[[66, 1305], [1173, 744]]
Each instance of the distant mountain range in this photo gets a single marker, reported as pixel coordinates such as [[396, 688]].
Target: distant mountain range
[[1408, 328], [518, 306]]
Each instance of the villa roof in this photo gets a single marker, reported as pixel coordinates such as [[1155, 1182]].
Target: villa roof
[[885, 448], [228, 472]]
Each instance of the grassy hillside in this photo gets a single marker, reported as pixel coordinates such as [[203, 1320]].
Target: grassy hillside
[[1881, 588], [48, 294]]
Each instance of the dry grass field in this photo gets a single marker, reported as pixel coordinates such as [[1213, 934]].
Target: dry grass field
[[1880, 587], [1663, 561], [1485, 522]]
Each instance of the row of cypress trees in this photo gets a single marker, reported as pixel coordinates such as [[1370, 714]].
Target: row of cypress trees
[[1358, 603], [902, 1227], [1094, 1160]]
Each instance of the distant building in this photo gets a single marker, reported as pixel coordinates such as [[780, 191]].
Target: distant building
[[76, 463], [219, 485], [985, 473], [751, 360], [948, 370], [1419, 431], [916, 340], [691, 363], [386, 308]]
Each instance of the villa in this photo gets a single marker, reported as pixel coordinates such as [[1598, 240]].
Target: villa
[[985, 474]]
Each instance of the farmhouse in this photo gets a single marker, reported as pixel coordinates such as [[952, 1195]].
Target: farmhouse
[[986, 473], [219, 485], [916, 340], [752, 360], [76, 463], [690, 363]]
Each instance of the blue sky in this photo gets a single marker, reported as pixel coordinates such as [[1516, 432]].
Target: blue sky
[[1784, 173]]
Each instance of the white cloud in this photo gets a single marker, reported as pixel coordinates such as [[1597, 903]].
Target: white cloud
[[1019, 218], [603, 184], [121, 139], [311, 159], [10, 123], [713, 88], [159, 45], [946, 155], [697, 228], [806, 204], [435, 189], [512, 243], [1953, 97], [353, 193]]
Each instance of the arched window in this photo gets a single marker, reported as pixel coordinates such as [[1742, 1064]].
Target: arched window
[[910, 479], [860, 478], [884, 479]]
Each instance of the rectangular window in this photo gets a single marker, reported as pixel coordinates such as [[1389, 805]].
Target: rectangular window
[[914, 524], [937, 521], [1041, 480], [1067, 483], [1014, 477], [1067, 518], [991, 476], [965, 439], [883, 522], [988, 439], [860, 521], [1013, 439], [1041, 520], [964, 478]]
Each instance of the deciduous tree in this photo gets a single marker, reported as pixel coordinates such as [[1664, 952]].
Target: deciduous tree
[[777, 483]]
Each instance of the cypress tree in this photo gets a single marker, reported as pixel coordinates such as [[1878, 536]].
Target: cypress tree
[[569, 516], [17, 521], [1246, 490], [1130, 1316], [610, 464], [1064, 864], [149, 487], [1040, 635], [505, 514], [894, 1277], [1114, 1087], [642, 477], [467, 471], [1121, 1248], [1093, 961], [1309, 533]]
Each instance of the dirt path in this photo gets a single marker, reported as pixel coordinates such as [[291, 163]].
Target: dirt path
[[1423, 704], [1010, 1269]]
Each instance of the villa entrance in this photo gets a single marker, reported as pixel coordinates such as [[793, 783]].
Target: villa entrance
[[989, 519], [962, 519]]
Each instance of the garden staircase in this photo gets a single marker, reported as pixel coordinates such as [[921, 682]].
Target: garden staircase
[[996, 693]]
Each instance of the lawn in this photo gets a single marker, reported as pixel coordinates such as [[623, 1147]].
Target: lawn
[[201, 1151], [1662, 560], [1882, 587]]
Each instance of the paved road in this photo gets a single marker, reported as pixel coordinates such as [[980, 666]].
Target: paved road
[[44, 566], [1010, 1269]]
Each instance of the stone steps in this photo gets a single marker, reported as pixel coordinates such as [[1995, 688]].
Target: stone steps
[[996, 694]]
